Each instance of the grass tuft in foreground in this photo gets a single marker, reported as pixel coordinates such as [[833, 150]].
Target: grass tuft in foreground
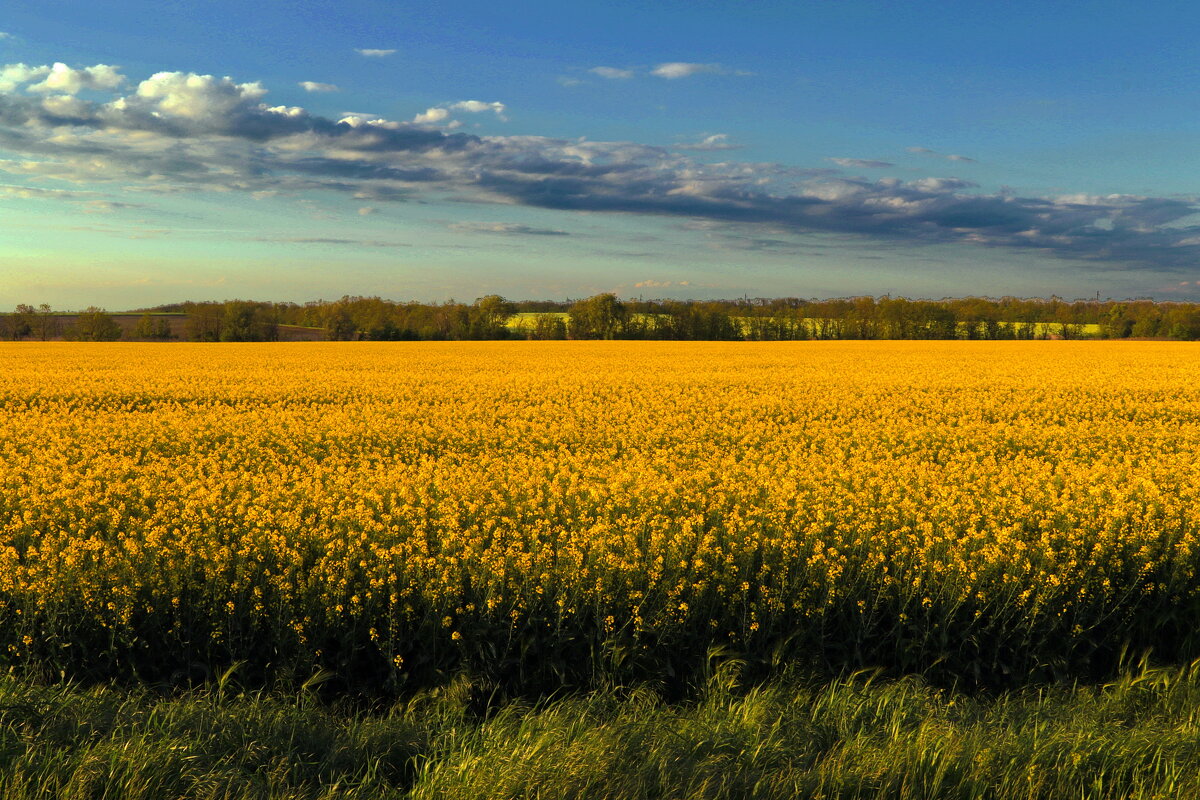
[[1138, 737]]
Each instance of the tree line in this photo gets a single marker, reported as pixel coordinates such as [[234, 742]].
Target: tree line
[[605, 316], [41, 322]]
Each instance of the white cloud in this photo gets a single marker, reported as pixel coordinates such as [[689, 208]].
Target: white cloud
[[684, 69], [371, 52], [563, 80], [364, 122], [612, 73], [13, 75], [716, 141], [4, 35], [295, 112], [191, 96], [475, 106], [62, 79], [314, 86], [367, 211], [59, 78], [438, 114], [940, 185], [356, 118], [431, 116]]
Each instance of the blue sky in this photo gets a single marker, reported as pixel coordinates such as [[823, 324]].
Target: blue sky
[[152, 152]]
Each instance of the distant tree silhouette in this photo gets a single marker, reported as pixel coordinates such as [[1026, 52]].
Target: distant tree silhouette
[[95, 325]]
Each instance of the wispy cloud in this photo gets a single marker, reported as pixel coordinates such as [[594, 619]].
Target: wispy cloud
[[327, 240], [107, 206], [612, 73], [925, 151], [653, 284], [371, 52], [861, 163], [673, 70], [712, 142], [39, 193], [505, 228], [314, 86]]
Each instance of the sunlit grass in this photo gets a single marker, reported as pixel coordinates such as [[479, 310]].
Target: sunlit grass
[[1135, 738]]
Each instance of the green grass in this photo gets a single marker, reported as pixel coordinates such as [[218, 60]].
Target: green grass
[[1136, 738]]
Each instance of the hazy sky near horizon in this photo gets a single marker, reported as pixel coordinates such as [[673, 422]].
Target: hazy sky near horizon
[[153, 152]]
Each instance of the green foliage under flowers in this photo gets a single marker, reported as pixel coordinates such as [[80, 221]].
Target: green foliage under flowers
[[1138, 737]]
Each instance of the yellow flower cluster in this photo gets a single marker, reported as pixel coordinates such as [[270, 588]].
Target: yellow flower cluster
[[167, 504]]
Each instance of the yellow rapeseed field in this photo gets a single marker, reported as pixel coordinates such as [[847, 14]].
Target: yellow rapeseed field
[[557, 511]]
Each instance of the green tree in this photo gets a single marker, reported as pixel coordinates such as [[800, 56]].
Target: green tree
[[245, 321], [1070, 330], [203, 321], [863, 320], [96, 325], [602, 316], [1184, 323], [20, 322], [1117, 323], [696, 321], [45, 323], [152, 327], [549, 326], [488, 318], [1149, 323], [339, 323]]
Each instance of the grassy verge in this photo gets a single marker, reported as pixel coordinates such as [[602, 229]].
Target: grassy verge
[[1136, 738]]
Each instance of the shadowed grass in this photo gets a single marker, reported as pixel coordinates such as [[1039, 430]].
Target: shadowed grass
[[1136, 738]]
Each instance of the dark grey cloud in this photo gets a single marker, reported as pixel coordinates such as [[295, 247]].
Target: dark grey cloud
[[357, 170], [177, 131]]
